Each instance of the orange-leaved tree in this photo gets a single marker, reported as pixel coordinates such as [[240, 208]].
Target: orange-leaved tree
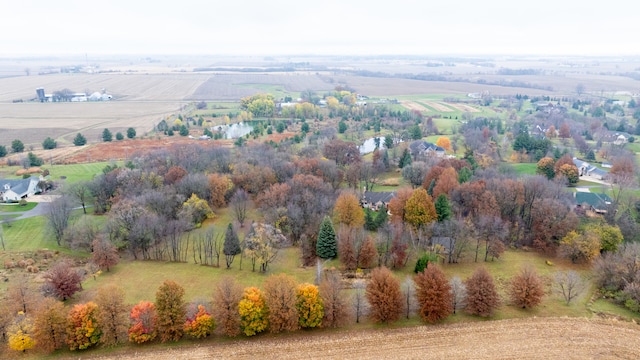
[[526, 289], [280, 297], [50, 324], [347, 210], [83, 329], [200, 324], [444, 143], [434, 294], [482, 296], [384, 296], [143, 322]]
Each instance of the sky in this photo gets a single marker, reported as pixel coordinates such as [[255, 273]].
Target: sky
[[346, 27]]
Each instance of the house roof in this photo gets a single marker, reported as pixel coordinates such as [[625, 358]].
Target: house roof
[[18, 186], [375, 197], [597, 201], [589, 169], [422, 146]]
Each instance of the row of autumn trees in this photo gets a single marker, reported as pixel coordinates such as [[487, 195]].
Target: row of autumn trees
[[281, 305]]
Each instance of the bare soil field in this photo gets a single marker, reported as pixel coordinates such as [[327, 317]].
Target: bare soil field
[[532, 338], [438, 106], [140, 87], [224, 86], [32, 122], [463, 107], [413, 106]]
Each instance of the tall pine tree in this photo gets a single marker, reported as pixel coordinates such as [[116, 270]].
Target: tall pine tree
[[231, 246], [443, 208], [327, 247]]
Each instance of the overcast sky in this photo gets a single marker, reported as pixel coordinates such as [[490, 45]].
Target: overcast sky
[[237, 27]]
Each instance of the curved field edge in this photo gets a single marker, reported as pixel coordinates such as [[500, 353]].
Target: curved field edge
[[531, 338]]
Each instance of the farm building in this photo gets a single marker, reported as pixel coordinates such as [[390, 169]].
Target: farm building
[[17, 189]]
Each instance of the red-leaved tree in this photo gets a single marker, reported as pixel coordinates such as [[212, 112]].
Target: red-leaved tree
[[143, 322]]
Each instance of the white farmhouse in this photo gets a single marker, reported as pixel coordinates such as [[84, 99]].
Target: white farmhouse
[[17, 189]]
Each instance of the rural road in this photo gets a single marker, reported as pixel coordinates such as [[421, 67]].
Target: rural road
[[530, 338]]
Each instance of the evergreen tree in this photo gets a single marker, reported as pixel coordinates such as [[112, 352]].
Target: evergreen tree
[[131, 133], [405, 159], [443, 208], [369, 220], [79, 140], [231, 246], [382, 216], [327, 247], [106, 135]]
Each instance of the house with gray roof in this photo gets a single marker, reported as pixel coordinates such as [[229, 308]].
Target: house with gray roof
[[375, 200], [426, 148], [586, 169], [17, 189]]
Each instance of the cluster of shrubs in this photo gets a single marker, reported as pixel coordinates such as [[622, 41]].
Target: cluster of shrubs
[[617, 275]]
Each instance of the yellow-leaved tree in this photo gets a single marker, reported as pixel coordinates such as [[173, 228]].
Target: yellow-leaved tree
[[197, 209], [309, 305], [348, 211], [21, 334], [253, 312], [580, 247], [419, 209]]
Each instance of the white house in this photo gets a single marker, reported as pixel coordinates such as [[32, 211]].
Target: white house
[[16, 189]]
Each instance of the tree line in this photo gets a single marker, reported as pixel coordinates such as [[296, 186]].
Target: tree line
[[281, 305]]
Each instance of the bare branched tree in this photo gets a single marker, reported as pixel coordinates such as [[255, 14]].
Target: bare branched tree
[[58, 215], [239, 202], [569, 284]]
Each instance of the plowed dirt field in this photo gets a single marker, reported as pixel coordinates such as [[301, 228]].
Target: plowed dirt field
[[533, 338]]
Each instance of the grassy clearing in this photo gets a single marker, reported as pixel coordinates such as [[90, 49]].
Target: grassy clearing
[[72, 172], [605, 306], [504, 269], [198, 281], [525, 168], [16, 207]]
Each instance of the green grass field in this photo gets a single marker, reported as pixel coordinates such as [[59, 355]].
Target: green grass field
[[16, 207], [72, 172], [525, 168]]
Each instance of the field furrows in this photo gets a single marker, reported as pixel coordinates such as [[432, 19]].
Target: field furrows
[[532, 338]]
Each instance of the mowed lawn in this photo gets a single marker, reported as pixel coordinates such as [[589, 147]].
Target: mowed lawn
[[141, 279], [71, 173]]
